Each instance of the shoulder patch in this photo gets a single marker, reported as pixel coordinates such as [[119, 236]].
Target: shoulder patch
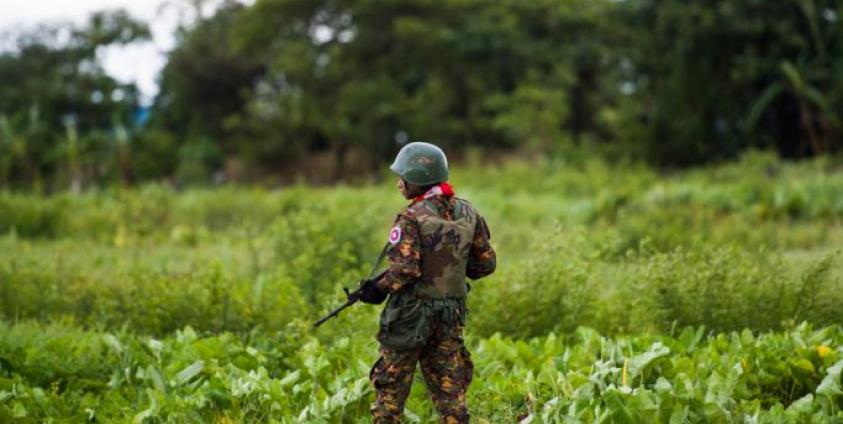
[[395, 234]]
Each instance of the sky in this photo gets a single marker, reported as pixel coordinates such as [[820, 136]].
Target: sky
[[139, 62]]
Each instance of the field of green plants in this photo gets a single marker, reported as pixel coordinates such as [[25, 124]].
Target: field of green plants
[[622, 295]]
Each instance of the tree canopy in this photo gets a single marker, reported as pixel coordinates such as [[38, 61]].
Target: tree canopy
[[278, 86]]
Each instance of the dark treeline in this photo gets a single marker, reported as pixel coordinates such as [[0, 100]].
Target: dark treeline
[[327, 89]]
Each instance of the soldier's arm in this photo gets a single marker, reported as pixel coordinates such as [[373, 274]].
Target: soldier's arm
[[482, 259], [403, 254]]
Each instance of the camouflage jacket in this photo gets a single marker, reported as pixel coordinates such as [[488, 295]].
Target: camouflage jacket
[[428, 262], [408, 249]]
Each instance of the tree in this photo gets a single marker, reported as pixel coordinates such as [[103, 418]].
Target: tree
[[206, 80], [54, 90], [343, 75], [714, 78]]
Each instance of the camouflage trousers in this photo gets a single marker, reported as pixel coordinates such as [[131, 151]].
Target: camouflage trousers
[[447, 369]]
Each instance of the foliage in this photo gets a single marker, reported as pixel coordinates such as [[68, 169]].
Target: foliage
[[715, 78], [620, 296], [328, 90], [616, 250], [791, 376], [54, 89]]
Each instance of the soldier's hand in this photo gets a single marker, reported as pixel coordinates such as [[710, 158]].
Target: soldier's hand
[[370, 293]]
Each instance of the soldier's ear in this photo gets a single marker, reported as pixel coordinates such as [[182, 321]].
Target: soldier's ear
[[412, 190]]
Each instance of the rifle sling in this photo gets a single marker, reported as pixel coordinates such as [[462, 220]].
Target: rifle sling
[[378, 261]]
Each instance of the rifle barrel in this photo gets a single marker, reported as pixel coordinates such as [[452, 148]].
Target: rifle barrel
[[334, 313], [352, 296]]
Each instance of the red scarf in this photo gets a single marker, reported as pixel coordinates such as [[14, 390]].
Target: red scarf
[[443, 189]]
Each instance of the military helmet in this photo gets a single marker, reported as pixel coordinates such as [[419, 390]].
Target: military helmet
[[421, 164]]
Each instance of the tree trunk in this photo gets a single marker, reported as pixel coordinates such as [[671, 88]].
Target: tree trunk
[[340, 152]]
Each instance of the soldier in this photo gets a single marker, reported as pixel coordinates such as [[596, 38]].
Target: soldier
[[435, 243]]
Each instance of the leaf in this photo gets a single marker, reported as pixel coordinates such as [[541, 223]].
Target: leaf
[[154, 376], [303, 415], [140, 417], [113, 343], [639, 363], [19, 411], [830, 386], [663, 386], [625, 373], [527, 420], [803, 365], [155, 345], [338, 400], [644, 404], [794, 77], [679, 415], [819, 100], [550, 409], [412, 417], [619, 411], [811, 17], [6, 414], [290, 378], [760, 105], [802, 406], [188, 373]]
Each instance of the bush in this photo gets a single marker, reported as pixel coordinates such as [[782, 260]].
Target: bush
[[30, 215], [553, 292], [152, 302]]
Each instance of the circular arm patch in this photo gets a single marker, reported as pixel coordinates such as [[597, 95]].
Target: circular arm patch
[[394, 235]]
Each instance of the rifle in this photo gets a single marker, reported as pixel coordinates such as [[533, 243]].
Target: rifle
[[354, 296]]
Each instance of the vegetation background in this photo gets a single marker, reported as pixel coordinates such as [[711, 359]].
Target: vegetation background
[[328, 90], [662, 180]]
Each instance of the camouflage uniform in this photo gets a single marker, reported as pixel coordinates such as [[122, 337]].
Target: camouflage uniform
[[435, 243]]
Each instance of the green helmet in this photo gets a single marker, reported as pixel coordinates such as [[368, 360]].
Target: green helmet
[[421, 164]]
